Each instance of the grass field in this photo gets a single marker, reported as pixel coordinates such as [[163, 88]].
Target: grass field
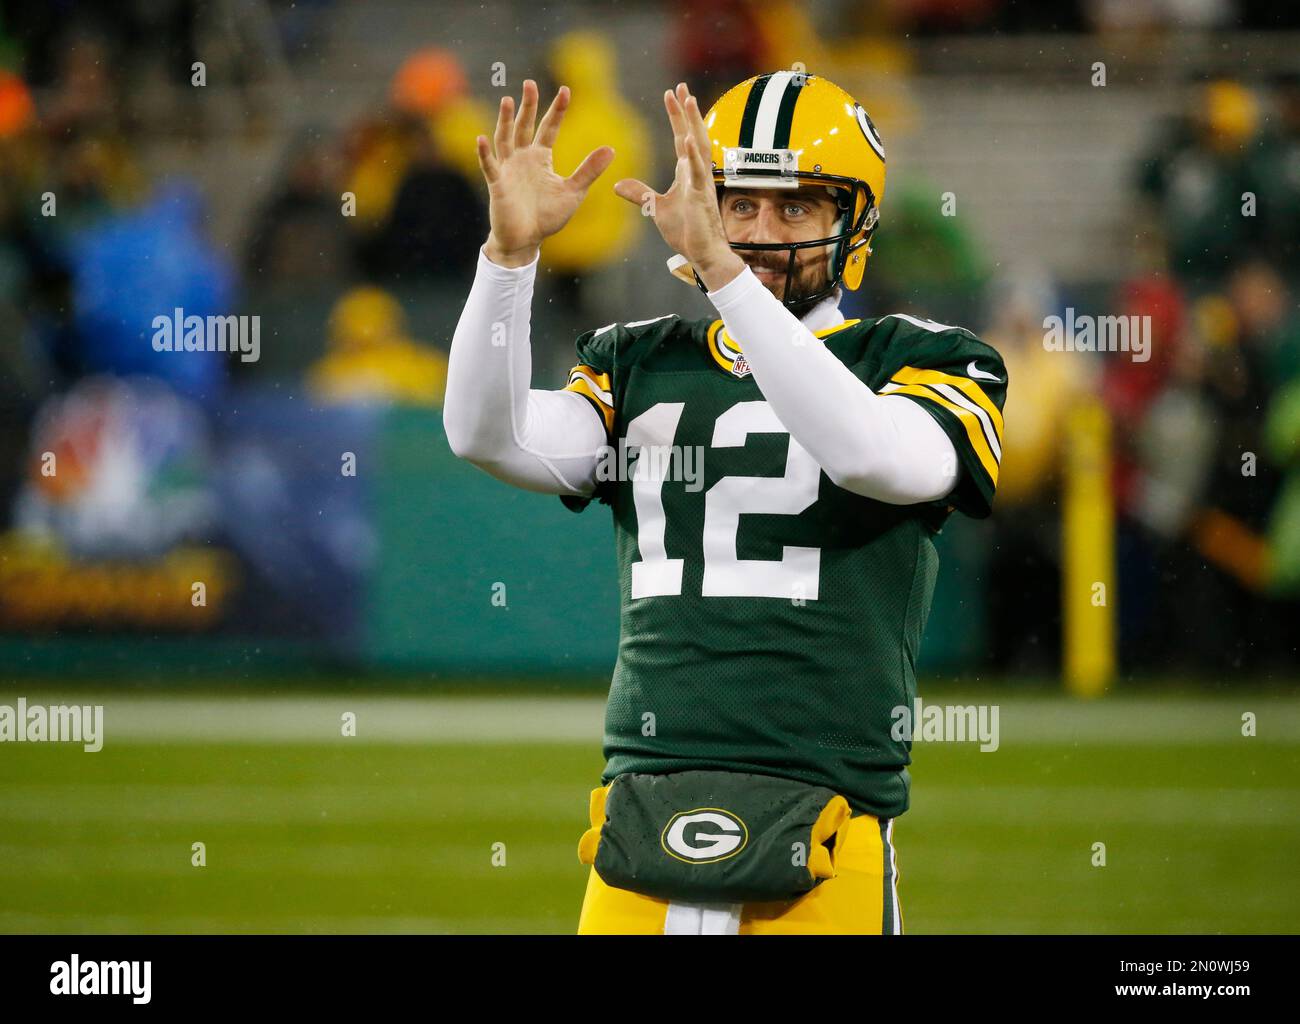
[[393, 830]]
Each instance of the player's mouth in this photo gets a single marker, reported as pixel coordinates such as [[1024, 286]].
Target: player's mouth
[[767, 273]]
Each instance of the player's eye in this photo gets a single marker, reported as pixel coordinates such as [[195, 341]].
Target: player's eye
[[794, 209], [741, 206]]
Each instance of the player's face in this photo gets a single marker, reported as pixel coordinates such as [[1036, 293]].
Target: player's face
[[781, 215]]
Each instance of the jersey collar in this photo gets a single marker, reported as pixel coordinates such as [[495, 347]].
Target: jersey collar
[[825, 314], [823, 319]]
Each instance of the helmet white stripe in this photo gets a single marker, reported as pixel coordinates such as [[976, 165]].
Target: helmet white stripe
[[768, 108]]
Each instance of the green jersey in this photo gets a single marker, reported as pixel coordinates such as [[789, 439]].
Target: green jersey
[[770, 620]]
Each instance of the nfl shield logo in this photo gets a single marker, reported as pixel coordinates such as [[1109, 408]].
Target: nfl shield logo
[[740, 367]]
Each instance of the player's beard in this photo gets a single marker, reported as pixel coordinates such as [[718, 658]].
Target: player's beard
[[810, 277]]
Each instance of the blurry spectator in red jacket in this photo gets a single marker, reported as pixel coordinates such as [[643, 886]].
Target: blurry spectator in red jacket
[[717, 44]]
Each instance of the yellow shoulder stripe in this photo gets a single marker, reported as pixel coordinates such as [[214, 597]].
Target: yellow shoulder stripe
[[915, 375], [978, 442], [838, 327], [594, 386]]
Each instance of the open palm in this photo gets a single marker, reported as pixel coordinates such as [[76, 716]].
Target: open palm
[[528, 201]]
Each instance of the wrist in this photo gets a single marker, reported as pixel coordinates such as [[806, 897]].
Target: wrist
[[719, 268], [513, 258]]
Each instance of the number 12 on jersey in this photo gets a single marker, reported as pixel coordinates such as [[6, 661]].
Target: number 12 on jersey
[[793, 576]]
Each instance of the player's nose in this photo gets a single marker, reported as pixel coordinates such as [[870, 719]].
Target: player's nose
[[763, 227]]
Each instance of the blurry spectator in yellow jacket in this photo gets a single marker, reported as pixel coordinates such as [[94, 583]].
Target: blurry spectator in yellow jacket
[[431, 84], [372, 359], [605, 227], [429, 102], [1022, 540], [1049, 382]]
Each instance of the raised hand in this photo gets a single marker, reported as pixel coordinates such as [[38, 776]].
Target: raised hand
[[687, 214], [528, 201]]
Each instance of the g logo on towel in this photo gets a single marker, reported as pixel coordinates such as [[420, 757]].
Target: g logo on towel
[[704, 836]]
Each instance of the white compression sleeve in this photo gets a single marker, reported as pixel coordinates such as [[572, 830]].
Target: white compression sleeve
[[546, 441], [882, 447]]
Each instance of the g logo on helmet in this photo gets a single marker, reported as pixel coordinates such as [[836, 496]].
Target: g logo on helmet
[[869, 130], [704, 835]]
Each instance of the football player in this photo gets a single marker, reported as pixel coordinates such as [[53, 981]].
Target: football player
[[771, 610]]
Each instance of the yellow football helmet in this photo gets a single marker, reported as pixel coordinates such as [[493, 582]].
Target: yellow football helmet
[[787, 129]]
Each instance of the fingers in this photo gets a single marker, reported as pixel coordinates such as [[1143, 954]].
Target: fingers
[[527, 119], [701, 169], [486, 161], [595, 164], [688, 123], [505, 128], [549, 130], [697, 129], [634, 191], [514, 132], [682, 177], [676, 118], [693, 171]]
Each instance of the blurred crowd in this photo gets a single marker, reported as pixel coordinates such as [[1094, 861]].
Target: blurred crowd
[[1205, 431], [1208, 461], [366, 237]]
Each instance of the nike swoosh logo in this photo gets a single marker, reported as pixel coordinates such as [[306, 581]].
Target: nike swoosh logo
[[972, 371]]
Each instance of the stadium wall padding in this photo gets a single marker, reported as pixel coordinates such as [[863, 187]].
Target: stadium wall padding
[[475, 576], [460, 576]]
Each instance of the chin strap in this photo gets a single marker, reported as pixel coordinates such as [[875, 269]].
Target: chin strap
[[845, 203]]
